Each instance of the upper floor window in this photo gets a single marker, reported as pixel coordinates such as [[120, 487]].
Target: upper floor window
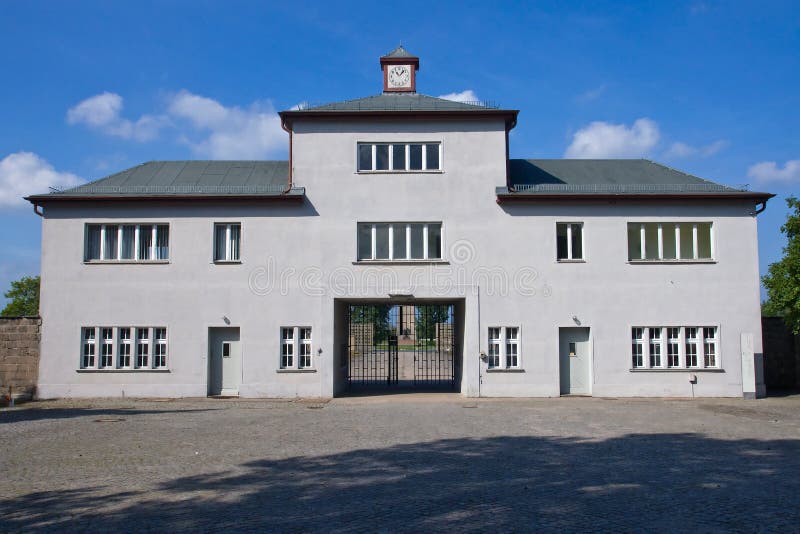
[[670, 241], [569, 241], [399, 241], [127, 242], [227, 240], [399, 157]]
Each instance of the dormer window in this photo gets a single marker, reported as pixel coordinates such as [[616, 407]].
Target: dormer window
[[399, 157]]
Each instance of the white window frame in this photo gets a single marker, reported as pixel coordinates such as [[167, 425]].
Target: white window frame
[[125, 345], [113, 348], [683, 341], [160, 348], [228, 248], [117, 254], [570, 256], [297, 348], [404, 227], [671, 226], [106, 359], [407, 145], [638, 358], [501, 343], [89, 358]]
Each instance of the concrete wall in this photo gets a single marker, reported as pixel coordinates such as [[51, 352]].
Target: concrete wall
[[19, 355], [299, 261]]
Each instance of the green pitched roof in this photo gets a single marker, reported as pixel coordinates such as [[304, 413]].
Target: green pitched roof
[[194, 178], [396, 102], [399, 52], [543, 177]]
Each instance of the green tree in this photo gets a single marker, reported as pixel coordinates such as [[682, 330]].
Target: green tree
[[783, 279], [377, 315], [24, 295], [428, 315]]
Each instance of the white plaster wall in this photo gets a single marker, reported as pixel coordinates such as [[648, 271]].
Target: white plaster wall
[[290, 254]]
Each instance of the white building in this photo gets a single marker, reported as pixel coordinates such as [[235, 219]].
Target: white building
[[399, 246]]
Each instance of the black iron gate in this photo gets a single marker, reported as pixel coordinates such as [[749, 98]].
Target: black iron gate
[[401, 345]]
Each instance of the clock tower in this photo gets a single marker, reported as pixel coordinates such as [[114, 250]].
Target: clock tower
[[399, 71]]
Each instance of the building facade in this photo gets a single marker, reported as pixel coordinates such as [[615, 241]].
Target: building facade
[[400, 247]]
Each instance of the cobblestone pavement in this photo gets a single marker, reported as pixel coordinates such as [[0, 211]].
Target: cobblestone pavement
[[402, 463]]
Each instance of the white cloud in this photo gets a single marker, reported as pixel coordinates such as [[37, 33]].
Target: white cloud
[[464, 96], [103, 112], [25, 173], [591, 94], [682, 150], [221, 132], [605, 140], [768, 171]]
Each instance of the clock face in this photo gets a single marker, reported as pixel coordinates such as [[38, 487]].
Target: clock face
[[399, 76]]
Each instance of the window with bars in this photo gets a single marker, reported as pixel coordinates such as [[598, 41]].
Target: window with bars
[[503, 345], [227, 242], [399, 241], [126, 242], [399, 157], [569, 241], [670, 241], [296, 348], [124, 338], [682, 346]]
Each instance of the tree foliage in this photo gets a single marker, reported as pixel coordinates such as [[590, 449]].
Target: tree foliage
[[783, 279], [428, 316], [24, 297]]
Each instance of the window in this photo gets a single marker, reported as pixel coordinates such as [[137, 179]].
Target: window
[[227, 238], [305, 348], [670, 241], [142, 347], [655, 347], [160, 349], [673, 347], [89, 348], [296, 340], [124, 347], [503, 347], [107, 348], [399, 241], [127, 242], [710, 346], [691, 347], [637, 347], [680, 344], [569, 241], [399, 157], [125, 338]]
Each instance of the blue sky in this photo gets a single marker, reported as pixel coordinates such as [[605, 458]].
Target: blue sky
[[90, 88]]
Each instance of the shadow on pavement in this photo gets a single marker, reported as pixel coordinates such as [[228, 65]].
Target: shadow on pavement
[[633, 482]]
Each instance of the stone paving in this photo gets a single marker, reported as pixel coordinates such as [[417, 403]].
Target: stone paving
[[402, 463]]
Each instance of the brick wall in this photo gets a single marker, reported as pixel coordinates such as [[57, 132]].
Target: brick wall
[[19, 355], [781, 355]]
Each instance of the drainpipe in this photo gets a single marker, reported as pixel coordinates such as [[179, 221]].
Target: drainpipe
[[762, 208], [289, 131], [36, 210]]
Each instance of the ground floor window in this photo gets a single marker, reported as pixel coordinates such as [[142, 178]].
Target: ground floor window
[[682, 346], [296, 340], [148, 341], [503, 345]]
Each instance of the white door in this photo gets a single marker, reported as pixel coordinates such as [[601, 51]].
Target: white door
[[575, 361], [225, 361]]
